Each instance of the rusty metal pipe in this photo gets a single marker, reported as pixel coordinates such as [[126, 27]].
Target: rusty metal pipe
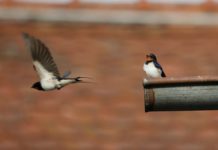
[[180, 94]]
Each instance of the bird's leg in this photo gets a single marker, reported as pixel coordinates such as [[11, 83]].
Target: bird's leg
[[58, 86]]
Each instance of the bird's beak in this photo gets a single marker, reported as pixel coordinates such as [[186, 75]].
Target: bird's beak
[[148, 58]]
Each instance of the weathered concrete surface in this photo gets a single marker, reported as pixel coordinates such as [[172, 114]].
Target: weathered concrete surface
[[110, 16]]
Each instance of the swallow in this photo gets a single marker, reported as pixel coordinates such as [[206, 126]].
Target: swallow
[[46, 68], [152, 68]]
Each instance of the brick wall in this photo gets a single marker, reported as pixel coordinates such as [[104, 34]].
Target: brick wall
[[108, 114]]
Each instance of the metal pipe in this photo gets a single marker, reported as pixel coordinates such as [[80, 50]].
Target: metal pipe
[[180, 94]]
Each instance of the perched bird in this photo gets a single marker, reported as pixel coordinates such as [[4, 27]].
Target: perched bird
[[45, 67], [152, 68]]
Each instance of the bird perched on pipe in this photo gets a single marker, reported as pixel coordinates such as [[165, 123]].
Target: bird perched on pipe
[[46, 68], [152, 68]]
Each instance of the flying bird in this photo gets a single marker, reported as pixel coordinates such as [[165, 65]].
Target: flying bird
[[152, 68], [44, 65]]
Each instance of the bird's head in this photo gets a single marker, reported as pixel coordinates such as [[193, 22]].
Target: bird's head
[[151, 57], [37, 86]]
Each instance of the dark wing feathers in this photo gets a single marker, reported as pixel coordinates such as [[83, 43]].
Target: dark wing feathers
[[41, 53], [156, 64], [163, 74]]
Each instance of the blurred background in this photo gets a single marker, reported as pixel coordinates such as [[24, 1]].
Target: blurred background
[[106, 40]]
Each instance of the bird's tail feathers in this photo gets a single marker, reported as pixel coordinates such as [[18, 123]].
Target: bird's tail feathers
[[79, 79], [163, 74]]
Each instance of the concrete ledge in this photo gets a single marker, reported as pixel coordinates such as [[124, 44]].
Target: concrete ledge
[[181, 94], [110, 16]]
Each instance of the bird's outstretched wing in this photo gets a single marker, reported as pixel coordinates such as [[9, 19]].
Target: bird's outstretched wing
[[157, 65], [42, 58]]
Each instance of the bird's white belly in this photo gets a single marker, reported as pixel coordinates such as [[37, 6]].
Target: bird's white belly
[[65, 82], [51, 84], [48, 84], [151, 70]]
